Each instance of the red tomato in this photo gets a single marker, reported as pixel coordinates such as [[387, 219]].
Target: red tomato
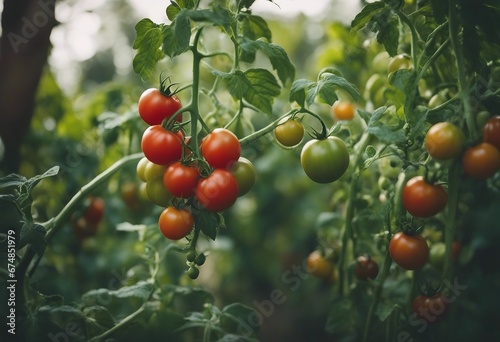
[[181, 180], [161, 146], [95, 211], [409, 251], [366, 268], [430, 308], [221, 148], [481, 161], [218, 191], [175, 223], [491, 131], [422, 199], [154, 106]]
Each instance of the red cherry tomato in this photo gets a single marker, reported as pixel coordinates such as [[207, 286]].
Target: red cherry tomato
[[221, 148], [409, 251], [161, 146], [175, 223], [481, 161], [181, 180], [491, 131], [155, 106], [218, 191], [422, 199]]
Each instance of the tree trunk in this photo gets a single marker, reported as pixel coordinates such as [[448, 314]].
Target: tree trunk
[[24, 47]]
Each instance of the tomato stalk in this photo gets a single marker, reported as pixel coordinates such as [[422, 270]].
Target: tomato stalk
[[267, 129], [194, 104], [347, 230], [451, 222], [463, 87], [414, 37]]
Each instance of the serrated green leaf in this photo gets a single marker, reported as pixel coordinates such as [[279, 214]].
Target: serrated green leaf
[[256, 86], [177, 35], [385, 133], [33, 234], [299, 90], [366, 14], [172, 10], [341, 320], [137, 293], [149, 38], [253, 27], [388, 35], [217, 15], [330, 82], [208, 222], [276, 54], [12, 180]]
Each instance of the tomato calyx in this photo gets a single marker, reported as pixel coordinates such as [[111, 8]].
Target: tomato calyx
[[429, 287], [412, 226], [166, 86]]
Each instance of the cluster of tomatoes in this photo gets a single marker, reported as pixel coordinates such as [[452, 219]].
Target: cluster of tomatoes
[[324, 159], [423, 199], [187, 179]]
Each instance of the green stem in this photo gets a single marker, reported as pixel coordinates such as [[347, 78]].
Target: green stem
[[434, 56], [450, 224], [377, 294], [195, 112], [236, 116], [263, 131], [414, 37], [463, 87], [347, 230]]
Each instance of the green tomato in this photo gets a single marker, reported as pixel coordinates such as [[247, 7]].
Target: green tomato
[[380, 62], [436, 255], [244, 172], [157, 193], [390, 166], [399, 62], [325, 161], [374, 84], [436, 100]]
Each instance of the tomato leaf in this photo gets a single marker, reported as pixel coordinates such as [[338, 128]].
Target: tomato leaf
[[253, 27], [149, 38], [388, 33], [177, 35], [329, 83], [208, 222], [341, 320], [378, 128], [176, 6], [33, 234], [366, 14], [299, 90], [256, 86], [276, 54]]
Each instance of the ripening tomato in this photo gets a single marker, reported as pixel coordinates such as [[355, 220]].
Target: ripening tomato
[[95, 210], [218, 191], [161, 146], [431, 308], [409, 251], [325, 161], [152, 170], [343, 110], [221, 148], [244, 172], [481, 161], [181, 180], [366, 268], [444, 141], [422, 199], [175, 223], [154, 106], [157, 193], [289, 133], [491, 131], [318, 266]]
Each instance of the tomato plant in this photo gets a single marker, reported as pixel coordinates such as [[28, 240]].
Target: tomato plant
[[325, 161], [481, 161], [175, 223], [409, 251], [422, 199], [161, 146], [218, 191], [444, 141], [221, 148], [399, 62], [289, 133], [154, 106], [181, 180], [491, 131]]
